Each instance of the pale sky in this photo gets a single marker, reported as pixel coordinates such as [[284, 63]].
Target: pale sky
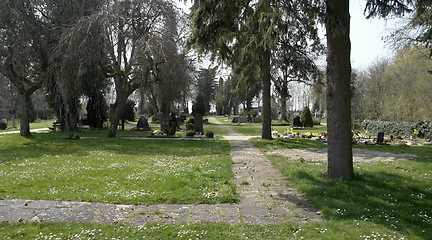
[[367, 36]]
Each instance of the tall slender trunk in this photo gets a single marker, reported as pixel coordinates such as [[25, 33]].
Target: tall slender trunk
[[284, 106], [266, 98], [339, 142], [25, 105]]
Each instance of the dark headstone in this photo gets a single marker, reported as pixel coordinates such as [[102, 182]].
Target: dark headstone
[[242, 120], [296, 122], [143, 124], [164, 120], [256, 120], [205, 121], [380, 138], [198, 124]]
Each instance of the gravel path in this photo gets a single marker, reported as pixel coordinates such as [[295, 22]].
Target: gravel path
[[265, 198]]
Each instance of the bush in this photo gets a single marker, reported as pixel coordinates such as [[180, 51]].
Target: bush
[[3, 125], [191, 120], [388, 127], [189, 127], [209, 134], [306, 117], [190, 133], [424, 128], [128, 112], [155, 118], [199, 106]]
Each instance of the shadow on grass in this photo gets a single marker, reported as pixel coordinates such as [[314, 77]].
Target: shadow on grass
[[395, 201], [54, 143]]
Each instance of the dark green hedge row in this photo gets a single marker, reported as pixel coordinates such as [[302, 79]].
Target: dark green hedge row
[[423, 128]]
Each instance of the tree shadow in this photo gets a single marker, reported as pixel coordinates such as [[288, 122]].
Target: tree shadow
[[394, 201]]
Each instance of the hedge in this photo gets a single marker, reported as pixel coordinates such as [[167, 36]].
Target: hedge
[[424, 128]]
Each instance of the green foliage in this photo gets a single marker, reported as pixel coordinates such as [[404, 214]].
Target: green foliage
[[155, 118], [190, 127], [424, 128], [191, 120], [394, 128], [306, 117], [209, 134], [190, 133], [169, 171], [128, 113], [199, 106]]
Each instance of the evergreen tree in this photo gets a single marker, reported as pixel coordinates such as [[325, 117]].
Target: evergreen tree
[[306, 117]]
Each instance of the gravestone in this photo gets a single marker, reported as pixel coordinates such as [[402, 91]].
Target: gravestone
[[242, 120], [164, 122], [380, 138], [231, 117], [256, 120], [297, 123], [143, 124]]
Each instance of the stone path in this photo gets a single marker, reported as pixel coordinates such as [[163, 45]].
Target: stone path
[[265, 198]]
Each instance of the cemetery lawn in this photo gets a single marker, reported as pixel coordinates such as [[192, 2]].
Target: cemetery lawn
[[322, 230], [34, 125], [395, 196], [256, 129], [97, 169]]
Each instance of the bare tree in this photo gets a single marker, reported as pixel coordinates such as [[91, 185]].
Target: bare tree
[[25, 40], [122, 40]]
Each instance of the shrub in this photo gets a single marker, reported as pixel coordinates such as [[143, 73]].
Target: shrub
[[388, 127], [3, 125], [155, 118], [199, 106], [306, 117], [424, 128], [190, 133], [209, 134], [128, 112], [191, 120], [189, 127]]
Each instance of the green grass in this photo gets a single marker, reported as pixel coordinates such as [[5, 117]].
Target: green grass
[[322, 231], [34, 125], [394, 196], [46, 166]]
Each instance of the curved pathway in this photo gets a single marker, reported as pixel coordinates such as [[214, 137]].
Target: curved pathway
[[264, 198]]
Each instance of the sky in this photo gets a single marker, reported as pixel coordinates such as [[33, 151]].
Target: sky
[[367, 36]]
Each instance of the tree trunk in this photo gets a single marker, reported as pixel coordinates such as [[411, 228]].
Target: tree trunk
[[25, 105], [284, 107], [266, 98], [339, 139], [116, 112]]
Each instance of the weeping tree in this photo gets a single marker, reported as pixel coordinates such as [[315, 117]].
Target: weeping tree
[[120, 40], [248, 32], [25, 42]]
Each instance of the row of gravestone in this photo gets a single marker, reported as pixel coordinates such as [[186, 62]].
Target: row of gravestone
[[242, 119], [164, 122]]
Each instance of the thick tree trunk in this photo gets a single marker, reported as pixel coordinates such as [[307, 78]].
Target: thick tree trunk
[[339, 139], [266, 98], [25, 104]]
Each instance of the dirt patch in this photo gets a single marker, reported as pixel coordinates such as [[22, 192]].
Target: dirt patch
[[359, 155]]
